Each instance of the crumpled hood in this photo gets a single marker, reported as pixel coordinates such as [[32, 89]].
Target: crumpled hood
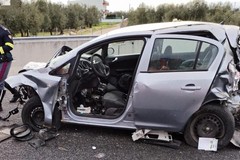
[[45, 85]]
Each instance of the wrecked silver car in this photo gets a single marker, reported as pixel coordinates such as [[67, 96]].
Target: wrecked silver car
[[173, 77]]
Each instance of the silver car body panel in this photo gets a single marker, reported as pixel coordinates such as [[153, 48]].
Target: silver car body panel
[[232, 33], [45, 85]]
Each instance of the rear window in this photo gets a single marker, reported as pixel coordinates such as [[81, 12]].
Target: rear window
[[181, 55]]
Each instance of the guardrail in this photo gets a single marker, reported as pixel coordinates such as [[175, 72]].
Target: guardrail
[[41, 49], [68, 37]]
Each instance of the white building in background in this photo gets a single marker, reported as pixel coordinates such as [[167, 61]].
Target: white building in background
[[4, 2], [100, 4]]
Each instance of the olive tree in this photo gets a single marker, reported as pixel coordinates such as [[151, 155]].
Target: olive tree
[[57, 17]]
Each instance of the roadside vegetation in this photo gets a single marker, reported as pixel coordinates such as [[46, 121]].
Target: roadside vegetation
[[196, 10], [45, 18], [31, 18]]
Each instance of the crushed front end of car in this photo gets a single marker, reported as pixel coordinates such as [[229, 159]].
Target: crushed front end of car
[[42, 85]]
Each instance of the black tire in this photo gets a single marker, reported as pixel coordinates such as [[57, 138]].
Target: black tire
[[33, 114], [212, 122]]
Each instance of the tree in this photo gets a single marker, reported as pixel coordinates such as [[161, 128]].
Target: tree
[[141, 16], [16, 3], [160, 12], [34, 19], [30, 18], [197, 10], [171, 13], [220, 13], [43, 8], [151, 15], [46, 25], [92, 16], [73, 12], [9, 19], [13, 17], [57, 17]]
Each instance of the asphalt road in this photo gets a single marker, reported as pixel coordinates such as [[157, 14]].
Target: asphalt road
[[90, 143]]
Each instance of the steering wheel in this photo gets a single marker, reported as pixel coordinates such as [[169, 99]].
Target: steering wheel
[[102, 70]]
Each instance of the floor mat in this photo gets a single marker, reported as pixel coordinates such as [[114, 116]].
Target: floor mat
[[5, 132]]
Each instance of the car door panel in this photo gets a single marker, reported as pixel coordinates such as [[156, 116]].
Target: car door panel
[[167, 103], [122, 64], [166, 100]]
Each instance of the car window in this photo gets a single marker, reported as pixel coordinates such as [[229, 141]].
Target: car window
[[181, 55], [128, 47], [89, 53], [206, 56]]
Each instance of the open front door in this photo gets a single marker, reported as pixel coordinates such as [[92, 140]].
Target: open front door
[[172, 83]]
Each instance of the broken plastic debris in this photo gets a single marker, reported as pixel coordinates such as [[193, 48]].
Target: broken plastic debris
[[36, 143], [236, 138], [5, 132], [46, 134], [137, 135], [100, 155], [147, 134], [207, 144], [82, 109], [62, 149]]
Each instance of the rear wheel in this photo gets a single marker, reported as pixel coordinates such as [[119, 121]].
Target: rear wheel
[[211, 122], [33, 113]]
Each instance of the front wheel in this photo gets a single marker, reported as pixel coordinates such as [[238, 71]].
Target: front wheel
[[210, 122], [33, 113]]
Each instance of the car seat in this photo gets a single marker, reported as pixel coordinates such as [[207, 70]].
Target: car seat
[[165, 59], [167, 52]]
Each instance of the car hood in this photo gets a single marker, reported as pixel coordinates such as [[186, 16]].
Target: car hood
[[45, 85]]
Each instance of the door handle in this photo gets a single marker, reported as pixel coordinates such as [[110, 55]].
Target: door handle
[[191, 87], [115, 59]]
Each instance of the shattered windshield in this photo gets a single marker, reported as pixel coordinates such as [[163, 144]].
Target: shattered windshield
[[59, 56]]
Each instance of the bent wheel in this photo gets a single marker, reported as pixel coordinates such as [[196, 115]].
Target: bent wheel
[[212, 122], [33, 113]]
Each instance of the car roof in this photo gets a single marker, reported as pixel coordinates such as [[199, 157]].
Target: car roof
[[155, 26], [219, 31]]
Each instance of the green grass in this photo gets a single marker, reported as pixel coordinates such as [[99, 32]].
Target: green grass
[[99, 27], [85, 31]]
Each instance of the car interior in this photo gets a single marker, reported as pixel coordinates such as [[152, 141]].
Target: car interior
[[104, 78]]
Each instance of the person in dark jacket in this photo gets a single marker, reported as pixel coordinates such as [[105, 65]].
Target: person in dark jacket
[[6, 45]]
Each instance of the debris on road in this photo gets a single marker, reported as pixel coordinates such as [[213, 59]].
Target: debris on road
[[5, 132], [43, 136], [12, 112]]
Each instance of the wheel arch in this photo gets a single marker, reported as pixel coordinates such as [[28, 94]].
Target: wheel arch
[[36, 101], [48, 113], [213, 102], [213, 107]]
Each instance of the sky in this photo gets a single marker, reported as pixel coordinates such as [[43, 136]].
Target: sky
[[124, 5]]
